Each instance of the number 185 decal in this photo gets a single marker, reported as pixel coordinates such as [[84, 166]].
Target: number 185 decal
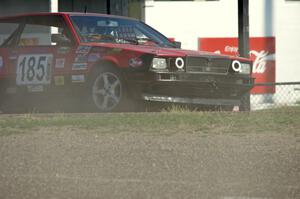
[[34, 69]]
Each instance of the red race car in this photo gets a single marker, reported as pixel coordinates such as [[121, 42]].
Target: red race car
[[108, 61]]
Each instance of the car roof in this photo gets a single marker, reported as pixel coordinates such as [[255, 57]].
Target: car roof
[[62, 13]]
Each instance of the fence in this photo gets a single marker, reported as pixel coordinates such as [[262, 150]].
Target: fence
[[286, 94]]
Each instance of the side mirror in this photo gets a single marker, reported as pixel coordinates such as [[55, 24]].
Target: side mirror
[[177, 44], [60, 40]]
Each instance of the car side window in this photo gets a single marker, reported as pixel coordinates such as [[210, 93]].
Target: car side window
[[40, 35], [6, 31], [45, 31]]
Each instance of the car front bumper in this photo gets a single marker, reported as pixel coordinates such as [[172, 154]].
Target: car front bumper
[[189, 88]]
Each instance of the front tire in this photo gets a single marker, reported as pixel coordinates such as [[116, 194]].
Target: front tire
[[107, 90]]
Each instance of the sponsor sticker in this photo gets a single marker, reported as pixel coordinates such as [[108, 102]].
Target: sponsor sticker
[[35, 88], [63, 50], [79, 66], [81, 58], [135, 62], [93, 57], [33, 41], [59, 80], [83, 49], [60, 63], [78, 78]]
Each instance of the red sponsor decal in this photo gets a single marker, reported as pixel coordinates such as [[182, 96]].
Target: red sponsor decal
[[262, 53]]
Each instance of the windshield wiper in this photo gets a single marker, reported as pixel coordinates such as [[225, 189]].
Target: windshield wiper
[[126, 40], [145, 39], [161, 44], [108, 38]]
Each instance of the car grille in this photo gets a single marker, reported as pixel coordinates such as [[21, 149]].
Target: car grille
[[205, 65]]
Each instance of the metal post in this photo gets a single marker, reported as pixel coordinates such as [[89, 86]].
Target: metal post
[[108, 7], [243, 27], [243, 20], [53, 8], [53, 5]]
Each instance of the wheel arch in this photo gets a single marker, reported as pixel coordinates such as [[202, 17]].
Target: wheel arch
[[104, 63]]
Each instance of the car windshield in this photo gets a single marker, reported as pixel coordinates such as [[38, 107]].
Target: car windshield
[[118, 30]]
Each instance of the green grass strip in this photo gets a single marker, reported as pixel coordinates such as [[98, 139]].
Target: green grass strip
[[170, 122]]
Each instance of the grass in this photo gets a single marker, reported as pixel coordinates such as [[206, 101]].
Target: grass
[[174, 120]]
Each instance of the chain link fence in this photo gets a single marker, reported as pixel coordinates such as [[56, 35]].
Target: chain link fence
[[285, 94]]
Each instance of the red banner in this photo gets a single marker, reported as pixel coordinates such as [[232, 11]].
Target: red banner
[[262, 53]]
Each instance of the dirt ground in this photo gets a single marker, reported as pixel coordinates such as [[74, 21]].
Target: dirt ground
[[72, 163]]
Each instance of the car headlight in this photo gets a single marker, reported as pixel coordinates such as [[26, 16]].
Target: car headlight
[[179, 63], [245, 68], [159, 63]]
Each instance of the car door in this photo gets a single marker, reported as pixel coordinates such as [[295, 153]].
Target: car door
[[37, 60]]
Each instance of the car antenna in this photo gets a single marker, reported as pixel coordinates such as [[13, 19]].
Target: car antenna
[[85, 8]]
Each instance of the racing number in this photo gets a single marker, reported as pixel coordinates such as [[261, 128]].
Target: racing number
[[30, 73], [33, 69], [41, 66]]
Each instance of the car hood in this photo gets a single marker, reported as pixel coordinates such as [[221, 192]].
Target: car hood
[[163, 52]]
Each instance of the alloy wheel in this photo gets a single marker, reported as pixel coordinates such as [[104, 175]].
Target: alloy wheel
[[107, 91]]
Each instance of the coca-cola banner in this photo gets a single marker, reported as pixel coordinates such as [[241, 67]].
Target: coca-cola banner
[[262, 53]]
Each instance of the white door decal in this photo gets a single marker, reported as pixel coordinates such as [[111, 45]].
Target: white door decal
[[34, 69]]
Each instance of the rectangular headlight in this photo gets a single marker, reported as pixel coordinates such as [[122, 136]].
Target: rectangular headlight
[[245, 68], [159, 63]]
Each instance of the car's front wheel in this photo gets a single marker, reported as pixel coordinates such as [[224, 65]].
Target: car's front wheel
[[107, 90]]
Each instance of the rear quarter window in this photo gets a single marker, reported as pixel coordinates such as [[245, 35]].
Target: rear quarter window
[[37, 35], [6, 29]]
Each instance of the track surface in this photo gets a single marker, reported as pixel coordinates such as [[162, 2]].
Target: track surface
[[72, 163]]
